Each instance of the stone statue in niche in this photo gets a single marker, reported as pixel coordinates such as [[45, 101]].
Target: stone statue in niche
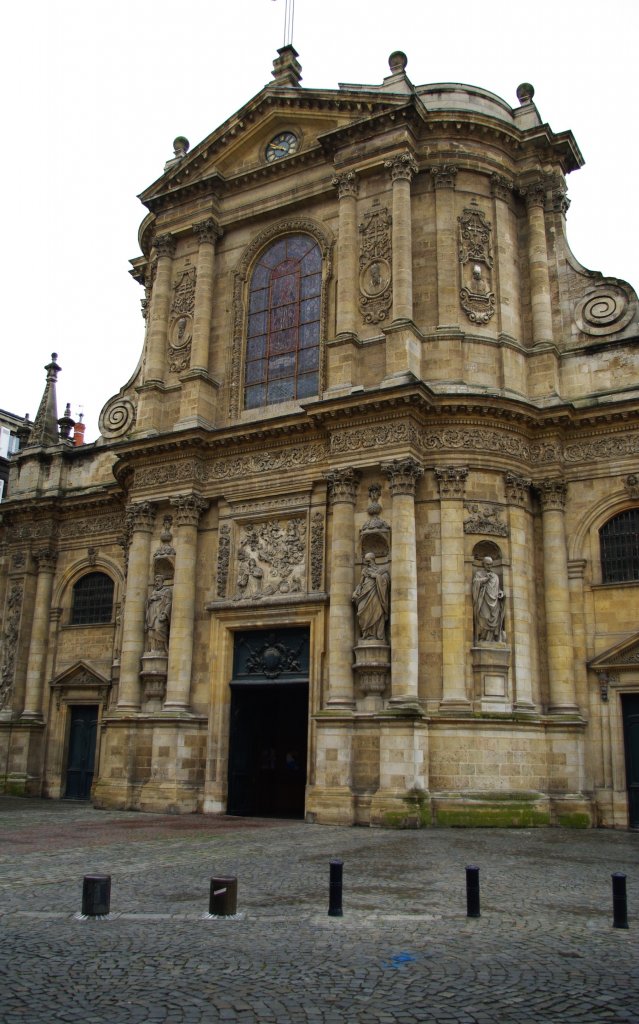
[[372, 599], [488, 604], [158, 616]]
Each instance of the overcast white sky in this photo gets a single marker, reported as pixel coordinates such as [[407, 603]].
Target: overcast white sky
[[95, 92]]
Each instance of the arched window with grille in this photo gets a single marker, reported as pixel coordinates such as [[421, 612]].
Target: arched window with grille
[[619, 544], [282, 359], [92, 601]]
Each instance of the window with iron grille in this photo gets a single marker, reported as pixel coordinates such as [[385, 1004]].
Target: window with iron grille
[[92, 599], [283, 330], [619, 541]]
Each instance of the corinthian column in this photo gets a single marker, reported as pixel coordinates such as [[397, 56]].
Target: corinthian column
[[347, 262], [36, 663], [140, 518], [342, 489], [403, 475], [402, 168], [559, 639], [522, 586], [444, 178], [208, 233], [159, 312], [452, 485], [541, 308], [178, 683]]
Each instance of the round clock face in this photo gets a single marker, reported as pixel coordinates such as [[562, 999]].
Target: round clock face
[[284, 144]]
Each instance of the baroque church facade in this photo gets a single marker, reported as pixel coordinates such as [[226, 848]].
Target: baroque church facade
[[358, 540]]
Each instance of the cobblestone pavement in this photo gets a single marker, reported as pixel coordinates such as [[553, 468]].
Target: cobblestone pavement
[[544, 949]]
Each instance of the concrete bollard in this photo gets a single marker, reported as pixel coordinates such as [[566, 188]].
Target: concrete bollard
[[96, 895], [223, 896], [472, 891], [619, 900], [335, 889]]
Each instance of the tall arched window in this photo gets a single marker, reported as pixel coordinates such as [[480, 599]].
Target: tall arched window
[[619, 543], [283, 335], [92, 599]]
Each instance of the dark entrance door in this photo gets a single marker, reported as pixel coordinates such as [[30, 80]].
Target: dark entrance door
[[81, 760], [630, 703], [269, 724]]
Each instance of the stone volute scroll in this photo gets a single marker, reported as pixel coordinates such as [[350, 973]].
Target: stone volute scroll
[[371, 600]]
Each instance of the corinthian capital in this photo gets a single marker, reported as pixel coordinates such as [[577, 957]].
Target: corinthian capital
[[534, 195], [451, 481], [517, 488], [444, 175], [346, 184], [342, 485], [189, 508], [403, 475], [402, 167], [140, 516], [46, 559], [207, 231], [552, 495], [165, 245], [501, 188]]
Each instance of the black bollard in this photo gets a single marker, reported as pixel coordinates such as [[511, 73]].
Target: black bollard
[[335, 889], [223, 897], [96, 895], [472, 891], [619, 901]]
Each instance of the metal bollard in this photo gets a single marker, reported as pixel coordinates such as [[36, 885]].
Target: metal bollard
[[472, 891], [96, 895], [619, 901], [335, 889], [223, 896]]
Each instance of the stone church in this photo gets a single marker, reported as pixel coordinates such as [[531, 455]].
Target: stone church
[[358, 542]]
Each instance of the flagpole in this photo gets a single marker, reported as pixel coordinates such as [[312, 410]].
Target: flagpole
[[289, 20]]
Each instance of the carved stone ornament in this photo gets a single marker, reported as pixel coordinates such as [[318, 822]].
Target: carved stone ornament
[[18, 560], [317, 551], [402, 167], [207, 231], [165, 246], [342, 485], [517, 488], [375, 533], [444, 176], [403, 475], [451, 481], [140, 516], [189, 508], [484, 518], [552, 495], [223, 559], [476, 258], [346, 184], [184, 292], [632, 485], [534, 195], [271, 559], [117, 417], [603, 447], [605, 309], [375, 263], [46, 559], [92, 555], [502, 188], [10, 642], [98, 524], [164, 556], [180, 338], [272, 657]]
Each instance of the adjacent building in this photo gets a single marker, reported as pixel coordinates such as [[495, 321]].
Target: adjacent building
[[359, 539]]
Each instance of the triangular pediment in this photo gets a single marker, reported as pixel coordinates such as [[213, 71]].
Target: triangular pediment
[[238, 147], [79, 675], [624, 655]]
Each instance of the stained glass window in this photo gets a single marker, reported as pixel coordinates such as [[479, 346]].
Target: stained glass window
[[619, 540], [283, 331], [92, 599]]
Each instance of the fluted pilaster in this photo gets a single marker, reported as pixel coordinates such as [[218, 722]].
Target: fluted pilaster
[[140, 519], [36, 662], [342, 491]]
